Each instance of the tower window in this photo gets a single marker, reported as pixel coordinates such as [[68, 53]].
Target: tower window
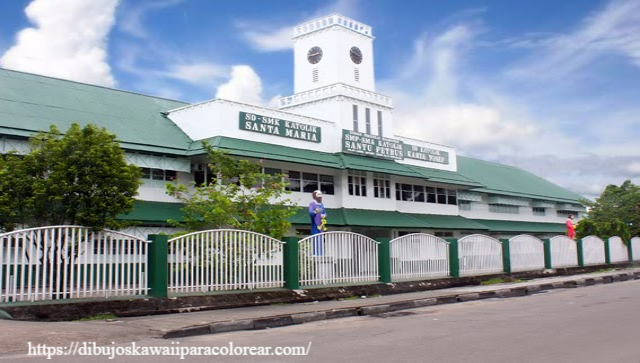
[[356, 74], [355, 118], [379, 123], [367, 119], [314, 75]]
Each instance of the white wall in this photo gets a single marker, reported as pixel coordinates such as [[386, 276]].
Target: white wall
[[222, 118]]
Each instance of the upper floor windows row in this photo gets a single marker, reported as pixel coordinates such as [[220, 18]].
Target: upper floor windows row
[[158, 174], [420, 193], [305, 182]]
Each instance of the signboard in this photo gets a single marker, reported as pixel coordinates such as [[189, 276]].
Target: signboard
[[426, 154], [371, 145], [277, 127], [386, 148]]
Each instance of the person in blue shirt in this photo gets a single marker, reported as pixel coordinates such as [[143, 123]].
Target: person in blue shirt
[[318, 216]]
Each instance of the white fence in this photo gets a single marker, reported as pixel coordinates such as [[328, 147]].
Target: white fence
[[564, 252], [618, 251], [224, 259], [526, 253], [635, 248], [419, 255], [66, 262], [593, 251], [479, 255], [337, 258]]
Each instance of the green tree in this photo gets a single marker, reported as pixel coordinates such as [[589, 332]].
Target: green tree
[[80, 178], [615, 213], [240, 196]]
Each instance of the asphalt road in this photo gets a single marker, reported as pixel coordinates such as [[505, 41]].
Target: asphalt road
[[590, 324]]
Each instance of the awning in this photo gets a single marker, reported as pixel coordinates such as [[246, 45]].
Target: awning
[[354, 162], [380, 218], [153, 212], [260, 150], [444, 176], [523, 227], [447, 222]]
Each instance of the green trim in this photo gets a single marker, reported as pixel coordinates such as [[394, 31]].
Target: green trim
[[517, 226], [506, 256], [384, 259], [580, 253], [157, 263], [454, 257], [547, 254], [290, 262], [154, 213]]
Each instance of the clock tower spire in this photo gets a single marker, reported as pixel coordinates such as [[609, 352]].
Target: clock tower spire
[[334, 76]]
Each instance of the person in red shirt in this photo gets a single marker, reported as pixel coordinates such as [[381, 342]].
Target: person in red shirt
[[571, 229]]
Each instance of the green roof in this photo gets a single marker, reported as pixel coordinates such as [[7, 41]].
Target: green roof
[[522, 227], [30, 103], [380, 218], [354, 162], [153, 212], [509, 180], [447, 222], [260, 150], [444, 176], [334, 217]]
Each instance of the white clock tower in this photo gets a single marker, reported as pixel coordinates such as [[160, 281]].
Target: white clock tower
[[334, 76]]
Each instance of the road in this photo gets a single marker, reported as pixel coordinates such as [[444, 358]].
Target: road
[[590, 324]]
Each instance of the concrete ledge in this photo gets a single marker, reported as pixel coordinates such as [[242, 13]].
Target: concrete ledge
[[301, 318], [309, 317], [61, 310], [227, 326], [188, 332], [373, 309], [425, 302], [447, 299], [272, 322], [469, 297], [404, 305], [342, 313], [518, 291]]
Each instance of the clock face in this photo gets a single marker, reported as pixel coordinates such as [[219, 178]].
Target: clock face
[[314, 55], [356, 55]]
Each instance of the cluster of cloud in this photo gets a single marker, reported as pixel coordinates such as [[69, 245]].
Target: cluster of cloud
[[439, 95], [69, 43]]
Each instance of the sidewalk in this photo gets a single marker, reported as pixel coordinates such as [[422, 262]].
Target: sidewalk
[[14, 335]]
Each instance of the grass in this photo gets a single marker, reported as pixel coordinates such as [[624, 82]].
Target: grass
[[98, 317], [500, 280]]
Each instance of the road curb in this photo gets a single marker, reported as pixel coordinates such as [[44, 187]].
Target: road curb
[[376, 309]]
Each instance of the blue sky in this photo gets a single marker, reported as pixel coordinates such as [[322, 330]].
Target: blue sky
[[549, 86]]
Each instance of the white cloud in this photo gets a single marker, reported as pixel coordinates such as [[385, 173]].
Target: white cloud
[[132, 15], [196, 73], [244, 86], [276, 38], [272, 40], [613, 30], [69, 41]]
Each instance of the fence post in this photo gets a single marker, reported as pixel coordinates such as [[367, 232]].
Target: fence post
[[547, 254], [454, 257], [580, 253], [506, 256], [157, 263], [630, 249], [291, 265], [607, 252], [384, 259]]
